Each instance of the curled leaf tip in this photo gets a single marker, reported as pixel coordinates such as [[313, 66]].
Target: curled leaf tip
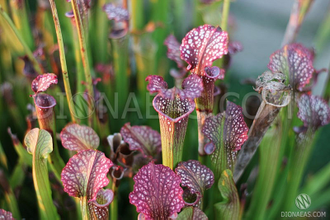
[[214, 73], [39, 140], [195, 176], [103, 198], [157, 193], [43, 82], [99, 205]]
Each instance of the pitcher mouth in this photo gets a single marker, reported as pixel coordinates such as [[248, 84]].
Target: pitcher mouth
[[44, 101], [179, 110]]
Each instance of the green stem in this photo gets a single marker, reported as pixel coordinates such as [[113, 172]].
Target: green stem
[[100, 34], [114, 203], [12, 203], [63, 61], [46, 120], [27, 50], [120, 62], [225, 15], [137, 22], [84, 208], [78, 208], [160, 14], [4, 5], [224, 27], [326, 92], [84, 56], [179, 18], [145, 53], [79, 100], [172, 136], [297, 166], [269, 159]]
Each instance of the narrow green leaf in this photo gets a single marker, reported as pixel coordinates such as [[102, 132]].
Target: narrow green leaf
[[40, 144], [318, 182], [323, 34], [270, 148], [9, 195], [18, 175], [20, 17], [20, 150], [3, 158], [16, 40], [229, 208]]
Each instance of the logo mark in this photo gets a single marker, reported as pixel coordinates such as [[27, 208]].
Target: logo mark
[[303, 201]]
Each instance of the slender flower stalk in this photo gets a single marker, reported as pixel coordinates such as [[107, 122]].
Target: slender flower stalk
[[173, 107], [225, 15], [81, 25], [79, 100], [63, 61], [298, 13]]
